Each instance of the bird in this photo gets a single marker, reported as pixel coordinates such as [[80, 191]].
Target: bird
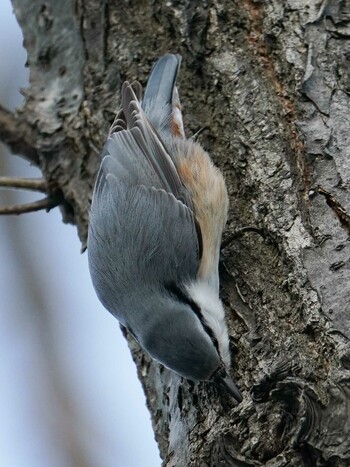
[[158, 211]]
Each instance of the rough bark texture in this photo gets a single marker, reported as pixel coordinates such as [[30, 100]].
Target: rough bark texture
[[270, 83]]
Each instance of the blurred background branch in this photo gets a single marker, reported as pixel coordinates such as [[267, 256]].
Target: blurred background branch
[[62, 358]]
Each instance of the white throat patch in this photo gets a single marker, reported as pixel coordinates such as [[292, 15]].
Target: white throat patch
[[213, 314]]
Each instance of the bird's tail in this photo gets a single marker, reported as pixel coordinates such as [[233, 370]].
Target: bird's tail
[[161, 100]]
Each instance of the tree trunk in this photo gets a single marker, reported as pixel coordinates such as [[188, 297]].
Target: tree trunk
[[269, 82]]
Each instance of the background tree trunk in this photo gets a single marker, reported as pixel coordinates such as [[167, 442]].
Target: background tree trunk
[[269, 82]]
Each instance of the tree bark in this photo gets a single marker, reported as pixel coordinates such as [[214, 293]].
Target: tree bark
[[269, 82]]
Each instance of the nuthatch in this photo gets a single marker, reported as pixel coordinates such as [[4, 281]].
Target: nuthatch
[[158, 211]]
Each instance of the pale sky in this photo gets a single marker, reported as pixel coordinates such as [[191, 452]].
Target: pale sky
[[84, 341]]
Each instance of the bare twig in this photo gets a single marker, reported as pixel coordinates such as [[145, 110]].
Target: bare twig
[[17, 134], [35, 184], [45, 203], [239, 232], [195, 136]]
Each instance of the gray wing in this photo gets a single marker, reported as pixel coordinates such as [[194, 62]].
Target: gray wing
[[142, 231], [140, 239], [135, 152]]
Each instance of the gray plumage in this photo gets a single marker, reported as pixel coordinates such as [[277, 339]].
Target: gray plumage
[[158, 99], [144, 242]]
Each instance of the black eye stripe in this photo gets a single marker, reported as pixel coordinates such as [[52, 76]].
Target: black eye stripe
[[200, 238], [183, 297]]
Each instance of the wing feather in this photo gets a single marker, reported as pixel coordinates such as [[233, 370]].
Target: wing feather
[[135, 146], [142, 230], [139, 238]]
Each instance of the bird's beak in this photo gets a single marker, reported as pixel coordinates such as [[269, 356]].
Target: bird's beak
[[230, 387]]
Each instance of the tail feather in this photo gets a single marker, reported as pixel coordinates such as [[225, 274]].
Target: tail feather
[[160, 101]]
